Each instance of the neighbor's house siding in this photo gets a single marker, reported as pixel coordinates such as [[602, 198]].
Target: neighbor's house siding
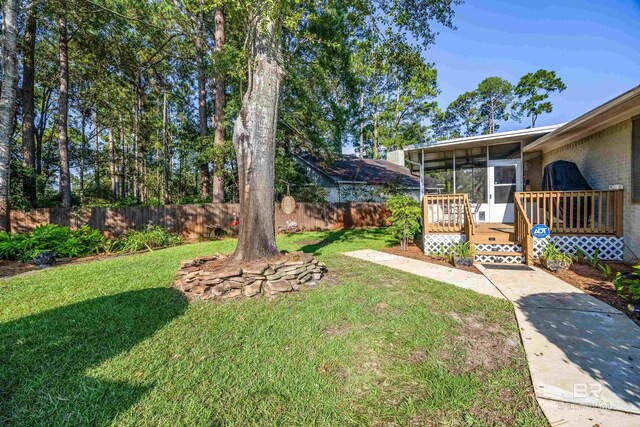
[[604, 158], [361, 193]]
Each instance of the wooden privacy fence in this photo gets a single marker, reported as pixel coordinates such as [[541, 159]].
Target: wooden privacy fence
[[575, 212], [199, 221]]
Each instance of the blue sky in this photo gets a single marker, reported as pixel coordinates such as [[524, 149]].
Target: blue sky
[[594, 46]]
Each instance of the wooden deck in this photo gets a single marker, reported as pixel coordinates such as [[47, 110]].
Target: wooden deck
[[494, 232]]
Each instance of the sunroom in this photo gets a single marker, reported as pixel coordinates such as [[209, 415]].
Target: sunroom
[[487, 190]]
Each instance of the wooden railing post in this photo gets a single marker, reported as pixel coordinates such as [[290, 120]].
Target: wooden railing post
[[618, 224]]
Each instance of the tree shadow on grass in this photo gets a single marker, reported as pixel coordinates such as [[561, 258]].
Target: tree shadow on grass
[[360, 236], [44, 358]]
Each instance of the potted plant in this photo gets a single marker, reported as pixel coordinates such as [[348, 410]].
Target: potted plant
[[554, 260], [462, 254]]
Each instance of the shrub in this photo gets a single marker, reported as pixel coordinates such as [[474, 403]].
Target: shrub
[[62, 241], [462, 250], [405, 218], [552, 253], [630, 286], [152, 237]]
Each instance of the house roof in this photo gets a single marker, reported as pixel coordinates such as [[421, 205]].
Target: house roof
[[352, 169], [620, 108], [488, 139]]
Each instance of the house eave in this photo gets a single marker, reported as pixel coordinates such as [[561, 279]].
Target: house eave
[[620, 108], [488, 139]]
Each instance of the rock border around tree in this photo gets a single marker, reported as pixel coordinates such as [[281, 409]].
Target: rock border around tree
[[214, 277]]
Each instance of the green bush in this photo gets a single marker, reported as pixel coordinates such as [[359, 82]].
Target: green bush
[[552, 253], [84, 241], [405, 218], [462, 250], [152, 237], [62, 241], [628, 286]]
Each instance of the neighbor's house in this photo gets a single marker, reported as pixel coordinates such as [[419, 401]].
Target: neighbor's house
[[488, 188], [351, 179]]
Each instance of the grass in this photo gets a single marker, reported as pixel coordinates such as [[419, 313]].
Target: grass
[[110, 342]]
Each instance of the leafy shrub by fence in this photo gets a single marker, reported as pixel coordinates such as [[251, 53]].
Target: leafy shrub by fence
[[199, 221]]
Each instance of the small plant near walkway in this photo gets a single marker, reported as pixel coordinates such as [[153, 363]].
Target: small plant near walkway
[[553, 259], [462, 254], [628, 286], [404, 219]]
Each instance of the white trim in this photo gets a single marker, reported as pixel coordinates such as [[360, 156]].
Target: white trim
[[497, 136]]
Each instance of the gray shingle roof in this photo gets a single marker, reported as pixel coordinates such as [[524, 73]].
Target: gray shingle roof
[[373, 172]]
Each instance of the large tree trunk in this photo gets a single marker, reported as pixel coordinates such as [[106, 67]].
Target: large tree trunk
[[202, 106], [28, 107], [218, 117], [254, 140], [63, 106], [7, 102]]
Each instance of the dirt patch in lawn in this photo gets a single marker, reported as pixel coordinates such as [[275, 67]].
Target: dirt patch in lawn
[[336, 331], [415, 252], [592, 281], [308, 242], [484, 346]]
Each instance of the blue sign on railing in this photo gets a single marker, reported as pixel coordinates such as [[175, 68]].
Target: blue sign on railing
[[540, 231]]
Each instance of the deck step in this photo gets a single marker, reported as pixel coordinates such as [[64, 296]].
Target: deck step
[[498, 253]]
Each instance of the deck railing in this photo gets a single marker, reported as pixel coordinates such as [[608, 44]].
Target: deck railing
[[574, 212], [521, 229], [448, 213]]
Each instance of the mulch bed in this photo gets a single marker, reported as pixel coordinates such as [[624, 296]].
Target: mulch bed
[[10, 268], [592, 281], [415, 252]]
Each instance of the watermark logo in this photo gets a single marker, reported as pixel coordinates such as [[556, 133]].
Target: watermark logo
[[586, 390]]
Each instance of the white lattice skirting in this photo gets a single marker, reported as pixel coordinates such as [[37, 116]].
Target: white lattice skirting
[[497, 247], [509, 259], [611, 247], [439, 243]]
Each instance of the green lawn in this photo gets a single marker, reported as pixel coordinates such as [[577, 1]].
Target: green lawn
[[110, 342]]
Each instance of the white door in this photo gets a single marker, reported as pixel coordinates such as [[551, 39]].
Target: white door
[[505, 178]]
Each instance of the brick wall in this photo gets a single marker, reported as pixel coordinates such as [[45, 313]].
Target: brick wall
[[604, 158]]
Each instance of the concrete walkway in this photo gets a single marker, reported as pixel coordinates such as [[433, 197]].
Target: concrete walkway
[[584, 355], [454, 276]]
